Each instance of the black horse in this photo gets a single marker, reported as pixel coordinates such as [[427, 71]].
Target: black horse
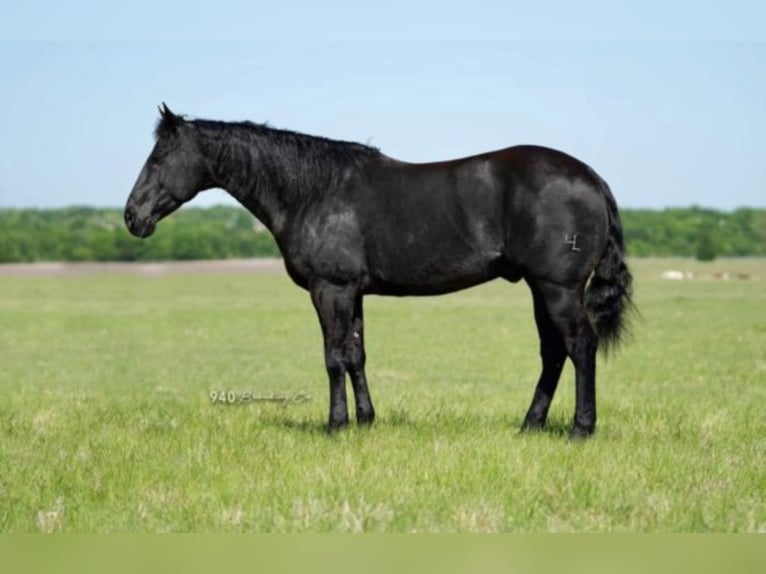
[[351, 221]]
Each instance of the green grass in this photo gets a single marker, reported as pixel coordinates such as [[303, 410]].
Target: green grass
[[106, 422]]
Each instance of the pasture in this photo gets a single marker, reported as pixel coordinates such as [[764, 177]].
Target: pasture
[[107, 422]]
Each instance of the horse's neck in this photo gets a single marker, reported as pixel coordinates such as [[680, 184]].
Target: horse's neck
[[239, 170], [273, 177]]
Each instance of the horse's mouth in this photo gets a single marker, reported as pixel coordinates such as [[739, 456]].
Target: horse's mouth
[[145, 230]]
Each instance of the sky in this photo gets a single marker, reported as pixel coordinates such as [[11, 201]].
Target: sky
[[666, 122]]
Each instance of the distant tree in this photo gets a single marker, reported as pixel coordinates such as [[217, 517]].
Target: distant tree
[[706, 250]]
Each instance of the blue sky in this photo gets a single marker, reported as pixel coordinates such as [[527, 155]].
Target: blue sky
[[389, 20], [667, 123]]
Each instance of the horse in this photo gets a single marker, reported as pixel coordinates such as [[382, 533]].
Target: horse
[[351, 221]]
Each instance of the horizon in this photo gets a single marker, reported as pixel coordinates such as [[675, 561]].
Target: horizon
[[235, 205]]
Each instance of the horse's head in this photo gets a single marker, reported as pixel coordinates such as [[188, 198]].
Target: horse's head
[[172, 175]]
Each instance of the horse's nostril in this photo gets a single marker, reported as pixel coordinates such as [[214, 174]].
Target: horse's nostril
[[129, 217]]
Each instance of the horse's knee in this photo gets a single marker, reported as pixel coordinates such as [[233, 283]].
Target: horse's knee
[[335, 363]]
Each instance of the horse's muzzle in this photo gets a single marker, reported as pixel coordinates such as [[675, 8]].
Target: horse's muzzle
[[136, 225]]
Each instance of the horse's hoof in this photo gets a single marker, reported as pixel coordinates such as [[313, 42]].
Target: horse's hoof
[[336, 426], [580, 433], [365, 419], [531, 425]]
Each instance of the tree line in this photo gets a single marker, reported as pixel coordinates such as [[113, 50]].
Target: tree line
[[695, 232], [221, 232]]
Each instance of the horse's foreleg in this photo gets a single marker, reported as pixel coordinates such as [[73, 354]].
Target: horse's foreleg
[[355, 360], [339, 311]]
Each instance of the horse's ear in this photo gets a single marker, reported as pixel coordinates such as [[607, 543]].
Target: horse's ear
[[169, 121], [165, 112]]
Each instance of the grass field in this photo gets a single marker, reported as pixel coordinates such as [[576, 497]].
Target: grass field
[[106, 421]]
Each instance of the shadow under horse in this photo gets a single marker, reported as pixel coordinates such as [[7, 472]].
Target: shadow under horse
[[350, 221]]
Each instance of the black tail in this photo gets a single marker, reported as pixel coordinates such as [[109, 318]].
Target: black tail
[[609, 293]]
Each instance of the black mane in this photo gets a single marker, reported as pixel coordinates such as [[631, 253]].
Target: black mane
[[167, 125], [267, 136], [297, 164]]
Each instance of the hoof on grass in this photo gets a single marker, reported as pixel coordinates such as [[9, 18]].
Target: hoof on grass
[[581, 433]]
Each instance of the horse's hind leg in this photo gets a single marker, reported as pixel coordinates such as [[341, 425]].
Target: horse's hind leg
[[567, 312], [553, 353]]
